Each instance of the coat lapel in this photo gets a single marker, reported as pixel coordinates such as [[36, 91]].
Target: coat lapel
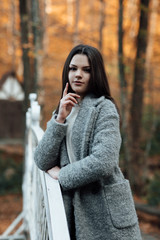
[[83, 126]]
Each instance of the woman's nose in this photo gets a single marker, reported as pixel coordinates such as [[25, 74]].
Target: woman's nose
[[78, 73]]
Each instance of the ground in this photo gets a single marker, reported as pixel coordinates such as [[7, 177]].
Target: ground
[[11, 206], [149, 226]]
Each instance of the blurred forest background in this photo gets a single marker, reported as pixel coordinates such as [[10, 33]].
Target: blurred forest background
[[35, 39]]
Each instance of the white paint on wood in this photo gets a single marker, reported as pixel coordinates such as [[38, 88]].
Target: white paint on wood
[[57, 211], [13, 225], [44, 213]]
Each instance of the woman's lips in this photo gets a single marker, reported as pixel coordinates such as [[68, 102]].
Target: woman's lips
[[78, 83]]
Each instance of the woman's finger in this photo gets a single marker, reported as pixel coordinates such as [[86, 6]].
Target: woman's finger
[[69, 102], [74, 95], [69, 97], [65, 90], [54, 172]]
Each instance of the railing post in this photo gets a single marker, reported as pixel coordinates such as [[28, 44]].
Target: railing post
[[32, 98], [35, 109], [44, 210]]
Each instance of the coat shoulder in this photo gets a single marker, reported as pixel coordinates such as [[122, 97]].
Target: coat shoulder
[[107, 106]]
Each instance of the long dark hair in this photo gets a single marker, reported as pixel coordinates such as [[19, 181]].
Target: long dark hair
[[98, 84]]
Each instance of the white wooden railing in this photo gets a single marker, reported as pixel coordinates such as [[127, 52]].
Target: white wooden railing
[[43, 204], [43, 212]]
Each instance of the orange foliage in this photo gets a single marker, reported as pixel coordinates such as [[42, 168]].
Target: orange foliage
[[59, 26]]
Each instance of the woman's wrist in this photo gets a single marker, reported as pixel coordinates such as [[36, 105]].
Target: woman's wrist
[[60, 119]]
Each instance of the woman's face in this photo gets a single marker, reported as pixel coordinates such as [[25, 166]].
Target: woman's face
[[79, 74]]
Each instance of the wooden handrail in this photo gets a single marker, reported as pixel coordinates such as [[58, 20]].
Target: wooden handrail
[[44, 213], [147, 209]]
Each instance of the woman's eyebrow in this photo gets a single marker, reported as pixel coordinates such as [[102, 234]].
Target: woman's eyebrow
[[71, 64], [76, 65], [86, 67]]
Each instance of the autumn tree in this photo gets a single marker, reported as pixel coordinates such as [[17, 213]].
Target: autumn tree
[[24, 17], [101, 24], [123, 91], [76, 32], [37, 32], [31, 38], [136, 110]]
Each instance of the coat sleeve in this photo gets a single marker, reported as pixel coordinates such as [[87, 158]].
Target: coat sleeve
[[104, 153], [46, 153]]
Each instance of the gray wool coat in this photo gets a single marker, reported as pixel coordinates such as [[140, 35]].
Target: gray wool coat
[[96, 195]]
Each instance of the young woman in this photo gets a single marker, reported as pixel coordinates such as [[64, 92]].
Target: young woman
[[81, 147]]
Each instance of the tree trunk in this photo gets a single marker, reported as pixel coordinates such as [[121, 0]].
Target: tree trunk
[[123, 92], [136, 164], [76, 32], [102, 23], [150, 78], [12, 22], [37, 32], [24, 17]]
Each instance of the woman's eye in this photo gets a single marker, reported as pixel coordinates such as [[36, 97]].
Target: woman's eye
[[72, 68], [88, 70]]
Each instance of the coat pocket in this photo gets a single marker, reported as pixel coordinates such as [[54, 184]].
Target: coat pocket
[[120, 204]]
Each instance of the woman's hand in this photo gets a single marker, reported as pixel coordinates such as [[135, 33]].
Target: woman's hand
[[66, 103], [54, 172]]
